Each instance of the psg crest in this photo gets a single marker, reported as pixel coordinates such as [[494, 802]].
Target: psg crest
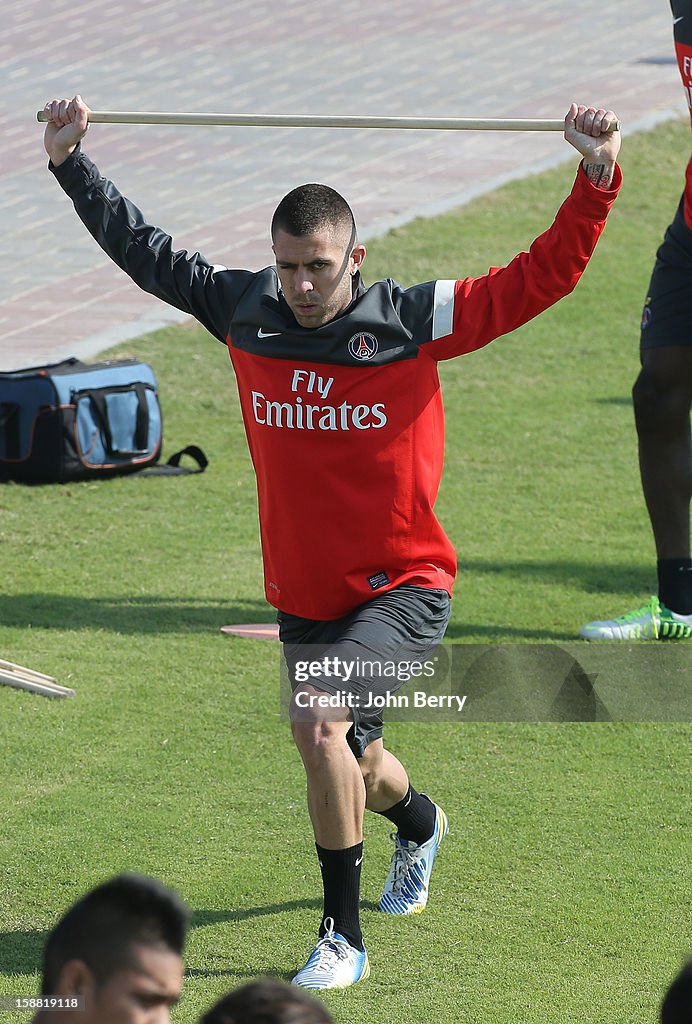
[[363, 346]]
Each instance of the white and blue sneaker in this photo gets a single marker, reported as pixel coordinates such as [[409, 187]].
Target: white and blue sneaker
[[333, 963], [406, 888]]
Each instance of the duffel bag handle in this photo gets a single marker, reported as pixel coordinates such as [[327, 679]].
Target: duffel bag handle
[[97, 398]]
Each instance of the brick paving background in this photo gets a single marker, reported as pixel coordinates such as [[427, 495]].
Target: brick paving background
[[214, 189]]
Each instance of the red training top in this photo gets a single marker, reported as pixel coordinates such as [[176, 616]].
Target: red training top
[[345, 421]]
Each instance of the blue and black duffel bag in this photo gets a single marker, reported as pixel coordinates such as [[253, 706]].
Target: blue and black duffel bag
[[75, 421]]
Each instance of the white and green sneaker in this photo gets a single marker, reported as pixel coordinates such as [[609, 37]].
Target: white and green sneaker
[[653, 621]]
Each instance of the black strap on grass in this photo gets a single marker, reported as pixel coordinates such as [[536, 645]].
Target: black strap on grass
[[173, 467]]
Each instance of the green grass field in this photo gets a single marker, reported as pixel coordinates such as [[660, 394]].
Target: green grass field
[[562, 894]]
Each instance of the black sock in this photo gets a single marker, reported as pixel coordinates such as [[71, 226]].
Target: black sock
[[414, 816], [675, 584], [341, 881]]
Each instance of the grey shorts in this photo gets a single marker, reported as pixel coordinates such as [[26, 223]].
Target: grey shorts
[[405, 623], [667, 314]]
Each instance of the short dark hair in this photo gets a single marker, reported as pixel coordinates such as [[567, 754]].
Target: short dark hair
[[102, 927], [267, 1001], [677, 1003], [310, 208]]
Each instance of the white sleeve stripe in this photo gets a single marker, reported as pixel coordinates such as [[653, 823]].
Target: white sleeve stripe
[[443, 309]]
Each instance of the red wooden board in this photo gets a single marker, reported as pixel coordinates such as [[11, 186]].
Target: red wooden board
[[254, 630]]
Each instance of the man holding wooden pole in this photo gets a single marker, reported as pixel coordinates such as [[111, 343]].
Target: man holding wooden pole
[[342, 407]]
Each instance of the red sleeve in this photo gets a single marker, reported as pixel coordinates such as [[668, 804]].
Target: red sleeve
[[507, 297], [682, 31], [682, 37], [683, 52], [682, 34], [687, 205]]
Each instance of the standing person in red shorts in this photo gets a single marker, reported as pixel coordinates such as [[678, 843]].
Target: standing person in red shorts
[[342, 407], [662, 398]]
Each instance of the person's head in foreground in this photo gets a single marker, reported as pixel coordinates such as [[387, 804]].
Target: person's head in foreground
[[120, 949], [677, 1002], [267, 1001]]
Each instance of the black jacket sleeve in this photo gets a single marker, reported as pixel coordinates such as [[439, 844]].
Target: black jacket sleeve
[[188, 282]]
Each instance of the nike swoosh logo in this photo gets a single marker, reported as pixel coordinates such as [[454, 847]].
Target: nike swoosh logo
[[359, 861], [268, 334], [676, 20]]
